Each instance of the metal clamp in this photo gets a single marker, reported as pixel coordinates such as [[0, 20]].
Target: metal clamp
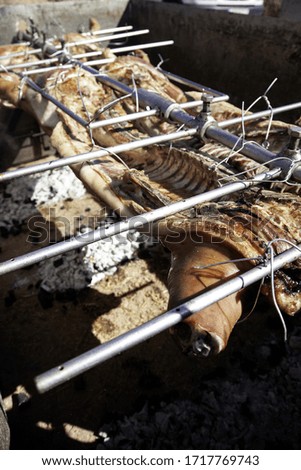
[[168, 110], [207, 100], [204, 125], [293, 148]]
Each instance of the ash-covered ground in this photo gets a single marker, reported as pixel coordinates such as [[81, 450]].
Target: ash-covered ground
[[249, 403], [152, 396]]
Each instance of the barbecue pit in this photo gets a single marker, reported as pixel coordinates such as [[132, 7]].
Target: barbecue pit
[[204, 129]]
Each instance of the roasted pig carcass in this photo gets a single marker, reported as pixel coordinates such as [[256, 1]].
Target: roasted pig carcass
[[211, 242]]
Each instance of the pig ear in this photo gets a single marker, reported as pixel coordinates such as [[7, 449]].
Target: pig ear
[[207, 331]]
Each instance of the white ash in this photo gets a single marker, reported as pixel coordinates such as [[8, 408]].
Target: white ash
[[77, 270], [20, 197], [16, 202], [57, 185]]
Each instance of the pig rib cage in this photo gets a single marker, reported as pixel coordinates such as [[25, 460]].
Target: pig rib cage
[[203, 126]]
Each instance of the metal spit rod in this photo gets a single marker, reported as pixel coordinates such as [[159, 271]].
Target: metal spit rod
[[105, 38], [170, 111], [256, 152], [62, 67], [260, 114], [35, 51], [191, 84], [102, 353], [153, 100], [194, 104], [143, 114], [118, 50], [133, 223], [108, 30], [82, 157], [53, 100], [57, 58], [115, 50], [208, 129], [40, 167]]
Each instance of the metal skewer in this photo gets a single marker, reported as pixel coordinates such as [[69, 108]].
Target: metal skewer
[[134, 222], [20, 53], [146, 45], [92, 40], [35, 51], [125, 118], [70, 44], [252, 151], [143, 114], [86, 361], [108, 30], [203, 128], [105, 38], [191, 84], [9, 175], [172, 111], [53, 100], [116, 50], [40, 167], [63, 67], [260, 114], [25, 65]]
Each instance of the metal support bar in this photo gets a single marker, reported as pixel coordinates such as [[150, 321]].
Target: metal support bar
[[70, 44], [147, 45], [118, 50], [133, 223], [171, 111], [108, 30], [209, 129], [193, 85], [259, 115], [89, 34], [20, 53], [25, 65], [123, 118], [63, 67], [68, 66], [143, 114], [86, 361], [256, 152], [106, 38], [83, 157], [53, 100]]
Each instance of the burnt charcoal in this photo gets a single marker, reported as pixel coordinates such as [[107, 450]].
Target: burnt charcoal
[[4, 233], [68, 295], [58, 262], [45, 298], [15, 230], [10, 298], [34, 239]]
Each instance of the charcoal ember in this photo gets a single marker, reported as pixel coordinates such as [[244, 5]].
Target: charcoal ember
[[10, 298], [45, 298]]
